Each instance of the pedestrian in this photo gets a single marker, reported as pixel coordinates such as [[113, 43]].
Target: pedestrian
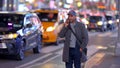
[[72, 51]]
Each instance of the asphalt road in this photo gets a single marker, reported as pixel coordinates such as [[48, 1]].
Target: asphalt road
[[50, 56]]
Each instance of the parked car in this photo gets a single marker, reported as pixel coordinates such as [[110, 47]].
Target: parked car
[[19, 31], [97, 23], [117, 18], [111, 24]]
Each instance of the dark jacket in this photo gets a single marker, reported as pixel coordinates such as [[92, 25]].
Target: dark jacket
[[81, 33]]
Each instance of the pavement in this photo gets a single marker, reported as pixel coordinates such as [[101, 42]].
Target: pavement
[[104, 58]]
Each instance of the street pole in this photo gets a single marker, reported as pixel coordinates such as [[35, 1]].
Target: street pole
[[117, 47]]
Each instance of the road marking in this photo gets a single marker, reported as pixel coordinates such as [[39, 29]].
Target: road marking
[[91, 50], [114, 35], [96, 59], [59, 52], [115, 66], [92, 34], [51, 48], [35, 60], [104, 34], [99, 34], [38, 64]]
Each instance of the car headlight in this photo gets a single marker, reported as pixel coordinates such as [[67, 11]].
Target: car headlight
[[110, 22], [85, 21], [117, 20], [50, 29], [85, 26], [10, 36], [41, 29], [99, 23]]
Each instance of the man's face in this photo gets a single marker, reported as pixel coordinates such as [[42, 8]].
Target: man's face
[[71, 18]]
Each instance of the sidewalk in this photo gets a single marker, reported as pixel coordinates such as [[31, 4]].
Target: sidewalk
[[104, 59]]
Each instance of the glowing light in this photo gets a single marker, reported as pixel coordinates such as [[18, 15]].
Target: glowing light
[[100, 23], [50, 29], [117, 20], [10, 24], [60, 3], [10, 5], [79, 4], [30, 1], [101, 47], [110, 22], [69, 1]]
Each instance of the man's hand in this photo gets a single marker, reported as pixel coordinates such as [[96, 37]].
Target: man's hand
[[66, 23], [81, 49]]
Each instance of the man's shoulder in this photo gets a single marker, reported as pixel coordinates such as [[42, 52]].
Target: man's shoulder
[[80, 23]]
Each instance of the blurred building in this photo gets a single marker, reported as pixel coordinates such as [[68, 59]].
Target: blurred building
[[13, 5], [8, 5], [1, 4], [109, 4], [100, 4], [69, 3]]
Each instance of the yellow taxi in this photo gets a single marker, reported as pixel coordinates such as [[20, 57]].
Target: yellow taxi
[[49, 19]]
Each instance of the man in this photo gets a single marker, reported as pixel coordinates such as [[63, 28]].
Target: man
[[72, 50]]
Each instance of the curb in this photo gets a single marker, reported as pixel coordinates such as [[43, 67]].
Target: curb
[[95, 60]]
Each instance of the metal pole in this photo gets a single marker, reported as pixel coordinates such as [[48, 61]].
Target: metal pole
[[117, 47]]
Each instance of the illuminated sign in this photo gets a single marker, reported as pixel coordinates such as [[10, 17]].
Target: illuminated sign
[[69, 1]]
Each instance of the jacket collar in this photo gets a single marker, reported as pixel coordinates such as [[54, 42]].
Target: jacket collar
[[76, 24]]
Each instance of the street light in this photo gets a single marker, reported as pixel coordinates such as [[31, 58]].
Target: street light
[[79, 4], [69, 1], [60, 3], [30, 1]]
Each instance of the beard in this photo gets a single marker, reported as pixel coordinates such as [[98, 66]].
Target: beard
[[71, 21]]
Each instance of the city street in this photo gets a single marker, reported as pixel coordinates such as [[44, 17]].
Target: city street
[[50, 56], [30, 30]]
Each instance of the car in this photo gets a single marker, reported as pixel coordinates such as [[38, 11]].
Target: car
[[49, 19], [117, 18], [84, 19], [97, 23], [111, 22], [19, 31]]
